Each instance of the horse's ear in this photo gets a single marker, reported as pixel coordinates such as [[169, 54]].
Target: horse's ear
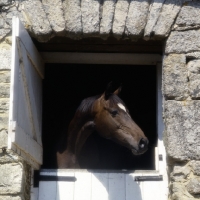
[[118, 91], [108, 91]]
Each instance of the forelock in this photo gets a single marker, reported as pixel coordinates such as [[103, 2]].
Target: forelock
[[114, 100]]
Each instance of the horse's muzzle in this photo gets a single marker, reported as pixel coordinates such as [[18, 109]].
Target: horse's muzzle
[[142, 147], [143, 144]]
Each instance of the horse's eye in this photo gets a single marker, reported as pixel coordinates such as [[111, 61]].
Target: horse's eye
[[114, 112]]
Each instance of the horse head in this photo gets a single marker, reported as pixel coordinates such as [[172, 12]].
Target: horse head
[[113, 121]]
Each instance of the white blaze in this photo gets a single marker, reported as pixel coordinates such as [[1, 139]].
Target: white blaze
[[122, 106]]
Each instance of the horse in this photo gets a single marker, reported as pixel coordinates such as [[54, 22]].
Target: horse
[[109, 117]]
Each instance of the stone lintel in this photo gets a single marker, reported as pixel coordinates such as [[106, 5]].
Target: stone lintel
[[166, 19], [73, 18], [54, 11], [90, 17], [154, 13], [106, 23], [137, 18], [119, 22], [36, 20], [189, 16]]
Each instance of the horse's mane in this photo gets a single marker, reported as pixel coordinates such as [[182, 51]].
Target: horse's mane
[[86, 105]]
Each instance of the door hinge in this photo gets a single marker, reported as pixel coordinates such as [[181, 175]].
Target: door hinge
[[149, 178], [37, 178], [160, 157]]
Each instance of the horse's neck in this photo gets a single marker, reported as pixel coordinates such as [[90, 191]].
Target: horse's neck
[[78, 134], [80, 128], [67, 160]]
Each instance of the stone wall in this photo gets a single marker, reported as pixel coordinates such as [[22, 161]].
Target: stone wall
[[175, 21], [181, 89]]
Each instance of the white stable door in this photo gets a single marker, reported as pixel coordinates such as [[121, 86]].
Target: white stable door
[[25, 114]]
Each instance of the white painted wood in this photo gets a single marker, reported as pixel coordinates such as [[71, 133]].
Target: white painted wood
[[103, 186], [33, 91], [13, 81], [156, 158], [160, 128], [32, 52], [34, 193], [151, 190], [65, 190], [100, 186], [30, 146], [83, 185], [133, 188], [101, 58], [25, 112], [47, 190], [117, 186], [160, 124]]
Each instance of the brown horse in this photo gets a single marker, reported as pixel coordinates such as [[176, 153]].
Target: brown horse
[[108, 115]]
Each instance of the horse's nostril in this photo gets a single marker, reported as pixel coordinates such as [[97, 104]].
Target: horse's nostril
[[143, 143]]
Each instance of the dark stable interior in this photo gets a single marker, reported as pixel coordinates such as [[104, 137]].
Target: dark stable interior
[[66, 85]]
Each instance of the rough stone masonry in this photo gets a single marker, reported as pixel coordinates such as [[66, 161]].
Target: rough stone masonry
[[175, 21]]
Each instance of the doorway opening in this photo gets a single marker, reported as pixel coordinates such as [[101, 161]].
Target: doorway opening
[[66, 85]]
